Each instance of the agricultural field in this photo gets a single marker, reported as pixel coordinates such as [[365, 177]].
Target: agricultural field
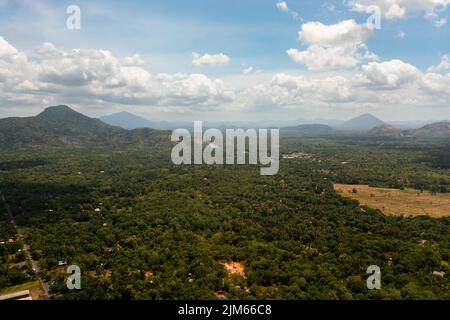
[[34, 287], [406, 202]]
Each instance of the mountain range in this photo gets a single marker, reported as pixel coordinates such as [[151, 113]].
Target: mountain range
[[128, 120], [61, 125]]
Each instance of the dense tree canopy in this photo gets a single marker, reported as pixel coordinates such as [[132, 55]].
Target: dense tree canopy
[[162, 231]]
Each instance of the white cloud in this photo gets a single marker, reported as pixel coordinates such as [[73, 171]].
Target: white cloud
[[282, 6], [436, 84], [331, 89], [99, 77], [210, 60], [398, 9], [14, 67], [247, 70], [9, 54], [390, 74], [440, 23], [134, 60], [388, 85], [332, 46], [320, 58], [346, 32], [444, 65], [395, 11], [48, 51]]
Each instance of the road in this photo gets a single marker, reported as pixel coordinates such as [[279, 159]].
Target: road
[[26, 248]]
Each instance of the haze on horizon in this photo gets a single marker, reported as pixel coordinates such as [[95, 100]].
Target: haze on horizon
[[227, 60]]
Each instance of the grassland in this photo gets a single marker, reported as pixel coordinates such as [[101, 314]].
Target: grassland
[[34, 287], [407, 202]]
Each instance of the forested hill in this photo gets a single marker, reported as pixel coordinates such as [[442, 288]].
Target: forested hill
[[61, 125], [434, 130]]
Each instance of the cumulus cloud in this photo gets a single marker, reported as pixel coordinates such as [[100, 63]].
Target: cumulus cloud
[[398, 9], [14, 75], [210, 60], [330, 89], [346, 32], [444, 65], [320, 58], [98, 76], [134, 60], [390, 74], [436, 83], [332, 46], [387, 84]]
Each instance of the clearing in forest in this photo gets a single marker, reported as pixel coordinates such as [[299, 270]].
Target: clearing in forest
[[234, 268], [408, 202]]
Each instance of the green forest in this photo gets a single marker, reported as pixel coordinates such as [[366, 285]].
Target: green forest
[[140, 227]]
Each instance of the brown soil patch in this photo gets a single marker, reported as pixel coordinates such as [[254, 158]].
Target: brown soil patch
[[148, 275], [234, 268]]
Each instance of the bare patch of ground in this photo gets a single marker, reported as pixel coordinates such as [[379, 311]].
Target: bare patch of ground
[[234, 268]]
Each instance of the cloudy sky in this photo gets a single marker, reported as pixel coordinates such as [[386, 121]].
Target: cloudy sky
[[228, 59]]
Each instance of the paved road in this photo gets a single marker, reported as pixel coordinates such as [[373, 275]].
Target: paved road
[[26, 248]]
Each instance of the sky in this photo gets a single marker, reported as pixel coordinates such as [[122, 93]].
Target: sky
[[227, 59]]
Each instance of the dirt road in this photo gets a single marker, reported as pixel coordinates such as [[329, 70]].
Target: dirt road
[[26, 248]]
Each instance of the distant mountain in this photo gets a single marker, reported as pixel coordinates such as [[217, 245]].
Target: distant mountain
[[411, 124], [364, 122], [127, 120], [309, 130], [384, 130], [434, 130], [60, 125]]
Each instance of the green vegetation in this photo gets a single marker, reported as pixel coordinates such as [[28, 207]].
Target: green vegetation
[[297, 237], [24, 286], [13, 270], [378, 162]]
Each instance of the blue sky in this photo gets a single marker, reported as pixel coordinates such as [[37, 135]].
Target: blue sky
[[255, 36]]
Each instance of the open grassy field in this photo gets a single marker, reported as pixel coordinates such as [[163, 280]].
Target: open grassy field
[[34, 287], [408, 202]]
